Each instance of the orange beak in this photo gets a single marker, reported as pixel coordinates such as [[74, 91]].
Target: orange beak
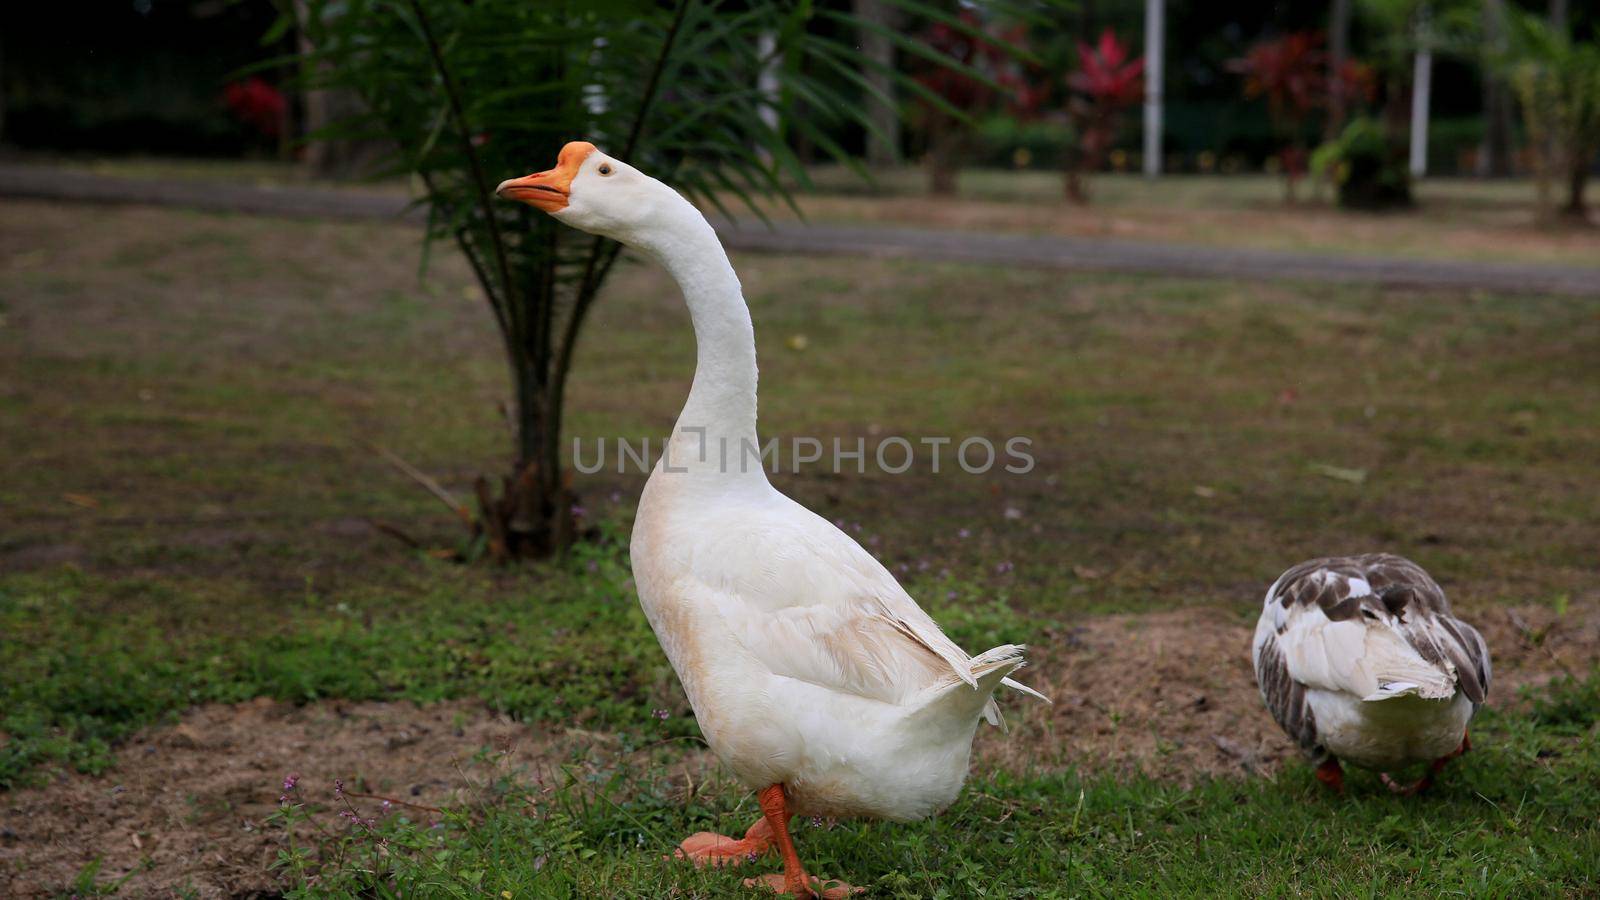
[[549, 190]]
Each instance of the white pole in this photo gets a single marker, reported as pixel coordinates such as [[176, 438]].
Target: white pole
[[767, 84], [1154, 37], [1421, 85]]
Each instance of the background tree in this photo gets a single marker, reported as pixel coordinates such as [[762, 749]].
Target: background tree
[[883, 143], [1106, 83], [1338, 57], [468, 94], [1494, 154], [1290, 72], [972, 71], [1397, 30], [1557, 82]]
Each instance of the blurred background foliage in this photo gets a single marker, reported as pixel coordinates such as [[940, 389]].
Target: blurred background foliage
[[149, 76]]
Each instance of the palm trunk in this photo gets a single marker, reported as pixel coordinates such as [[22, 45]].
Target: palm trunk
[[1494, 155], [1577, 180], [1338, 55], [883, 142], [944, 157]]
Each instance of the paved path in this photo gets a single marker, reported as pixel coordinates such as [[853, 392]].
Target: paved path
[[1071, 253]]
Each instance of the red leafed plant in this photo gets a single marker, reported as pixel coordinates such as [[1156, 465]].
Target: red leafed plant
[[1106, 82], [257, 104], [1291, 72], [982, 49]]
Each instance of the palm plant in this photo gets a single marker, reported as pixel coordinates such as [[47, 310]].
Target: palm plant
[[1106, 82], [1291, 73], [1398, 29], [1557, 82], [469, 93]]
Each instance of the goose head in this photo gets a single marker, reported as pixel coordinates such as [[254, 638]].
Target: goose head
[[595, 193]]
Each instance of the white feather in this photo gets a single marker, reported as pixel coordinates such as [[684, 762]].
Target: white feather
[[1374, 699], [806, 662]]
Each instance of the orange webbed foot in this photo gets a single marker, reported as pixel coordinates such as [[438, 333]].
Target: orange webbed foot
[[824, 888], [1331, 774], [1405, 790], [707, 848], [1434, 768]]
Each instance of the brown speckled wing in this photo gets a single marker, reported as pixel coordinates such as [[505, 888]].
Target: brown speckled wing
[[1286, 698], [1403, 590]]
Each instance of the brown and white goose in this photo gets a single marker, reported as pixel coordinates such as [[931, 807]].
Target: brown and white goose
[[1360, 659]]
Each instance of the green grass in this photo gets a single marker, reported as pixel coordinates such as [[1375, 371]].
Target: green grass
[[1454, 218], [89, 659], [186, 399], [195, 448], [1516, 817]]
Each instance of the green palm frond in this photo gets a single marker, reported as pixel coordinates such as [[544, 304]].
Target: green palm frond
[[704, 94]]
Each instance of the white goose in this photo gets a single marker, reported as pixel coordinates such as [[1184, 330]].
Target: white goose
[[814, 676], [1359, 658]]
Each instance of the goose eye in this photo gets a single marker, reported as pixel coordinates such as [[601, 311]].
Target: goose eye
[[605, 169], [1369, 614]]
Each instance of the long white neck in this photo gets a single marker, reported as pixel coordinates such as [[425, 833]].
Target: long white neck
[[716, 433]]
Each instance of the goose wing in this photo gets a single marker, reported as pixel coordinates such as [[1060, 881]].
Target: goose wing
[[823, 610], [1373, 626]]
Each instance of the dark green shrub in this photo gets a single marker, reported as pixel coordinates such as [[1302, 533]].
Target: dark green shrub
[[1369, 170]]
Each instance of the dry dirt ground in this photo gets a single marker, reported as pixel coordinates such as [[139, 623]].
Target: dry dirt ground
[[185, 811]]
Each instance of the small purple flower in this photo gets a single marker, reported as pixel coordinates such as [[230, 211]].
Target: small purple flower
[[1004, 568], [290, 780], [816, 821], [578, 511], [386, 806], [660, 714], [964, 533], [750, 857], [616, 497], [950, 596], [338, 786], [902, 568], [872, 540]]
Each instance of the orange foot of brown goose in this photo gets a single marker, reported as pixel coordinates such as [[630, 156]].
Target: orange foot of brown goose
[[1331, 774]]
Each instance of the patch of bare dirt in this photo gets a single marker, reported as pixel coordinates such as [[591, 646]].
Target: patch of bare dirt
[[1173, 695], [1165, 694], [186, 806]]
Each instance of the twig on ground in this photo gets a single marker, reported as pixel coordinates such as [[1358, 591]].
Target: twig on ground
[[422, 806], [420, 477], [395, 532]]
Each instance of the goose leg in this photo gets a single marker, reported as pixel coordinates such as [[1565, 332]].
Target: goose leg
[[708, 848], [1331, 774], [794, 881], [1434, 768]]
